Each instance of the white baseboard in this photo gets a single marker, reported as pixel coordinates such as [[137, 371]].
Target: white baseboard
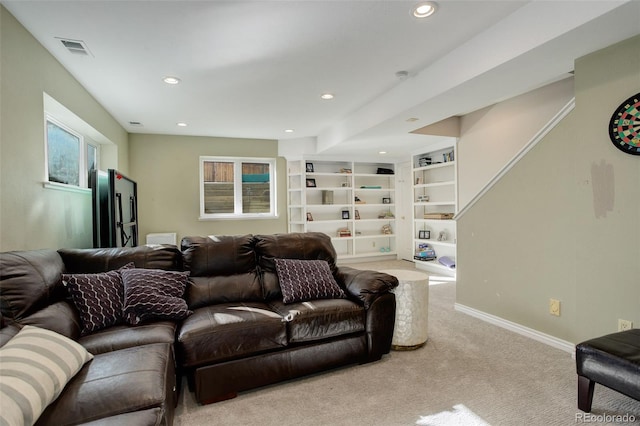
[[517, 328]]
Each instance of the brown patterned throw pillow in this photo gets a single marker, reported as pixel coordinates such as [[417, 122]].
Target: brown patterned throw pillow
[[98, 298], [153, 294], [302, 280]]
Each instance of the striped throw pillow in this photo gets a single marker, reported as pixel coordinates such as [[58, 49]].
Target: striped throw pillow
[[35, 366]]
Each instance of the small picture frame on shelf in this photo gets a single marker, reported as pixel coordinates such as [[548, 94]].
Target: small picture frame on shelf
[[309, 217], [345, 214], [309, 167], [311, 183], [386, 200], [356, 215], [424, 235]]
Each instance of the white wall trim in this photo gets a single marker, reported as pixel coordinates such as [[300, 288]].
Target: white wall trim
[[526, 148], [517, 328]]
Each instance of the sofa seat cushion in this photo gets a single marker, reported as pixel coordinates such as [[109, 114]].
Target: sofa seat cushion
[[125, 336], [321, 319], [115, 383], [229, 330]]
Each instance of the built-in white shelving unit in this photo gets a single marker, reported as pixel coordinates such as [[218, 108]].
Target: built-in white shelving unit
[[350, 201], [434, 205]]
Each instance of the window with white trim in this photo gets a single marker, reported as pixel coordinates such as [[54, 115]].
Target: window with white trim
[[70, 156], [237, 188]]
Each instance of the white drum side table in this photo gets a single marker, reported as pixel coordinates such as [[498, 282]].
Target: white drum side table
[[412, 303]]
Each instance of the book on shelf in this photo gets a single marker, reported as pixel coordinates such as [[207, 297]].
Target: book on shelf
[[344, 232], [438, 216]]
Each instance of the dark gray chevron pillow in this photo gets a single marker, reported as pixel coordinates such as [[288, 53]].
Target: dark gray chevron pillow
[[98, 298], [302, 280], [154, 294]]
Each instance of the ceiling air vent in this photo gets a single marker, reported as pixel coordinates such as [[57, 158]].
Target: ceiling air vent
[[77, 47]]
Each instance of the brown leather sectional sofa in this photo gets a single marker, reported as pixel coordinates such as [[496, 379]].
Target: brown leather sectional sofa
[[240, 335]]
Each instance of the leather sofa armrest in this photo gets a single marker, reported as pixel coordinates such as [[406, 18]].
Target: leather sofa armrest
[[365, 285]]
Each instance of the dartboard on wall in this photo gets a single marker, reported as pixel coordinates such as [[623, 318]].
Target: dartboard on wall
[[624, 126]]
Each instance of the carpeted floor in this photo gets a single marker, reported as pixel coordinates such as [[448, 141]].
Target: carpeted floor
[[499, 377]]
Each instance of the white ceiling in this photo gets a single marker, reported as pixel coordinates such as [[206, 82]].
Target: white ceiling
[[251, 69]]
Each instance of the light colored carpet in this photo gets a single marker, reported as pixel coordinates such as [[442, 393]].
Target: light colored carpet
[[498, 376]]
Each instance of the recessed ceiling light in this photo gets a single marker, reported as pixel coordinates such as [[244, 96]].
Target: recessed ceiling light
[[326, 96], [181, 124], [382, 152], [422, 10], [288, 131], [171, 80]]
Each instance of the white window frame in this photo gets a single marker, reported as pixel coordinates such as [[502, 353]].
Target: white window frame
[[237, 182]]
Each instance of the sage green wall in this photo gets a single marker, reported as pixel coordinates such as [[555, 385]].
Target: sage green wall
[[563, 223], [492, 136], [166, 169], [30, 215]]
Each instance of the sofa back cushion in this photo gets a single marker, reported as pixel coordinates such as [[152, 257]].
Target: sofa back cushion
[[91, 261], [222, 270], [303, 246], [29, 281]]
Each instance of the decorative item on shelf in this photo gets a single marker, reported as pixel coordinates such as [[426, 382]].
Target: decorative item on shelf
[[386, 215], [344, 232], [309, 217], [386, 200], [345, 214], [418, 180], [440, 216], [370, 186], [356, 215], [424, 252], [442, 236], [384, 171], [346, 184], [358, 232], [345, 170], [424, 235], [449, 262], [311, 183], [357, 200], [448, 156], [309, 167], [386, 230], [424, 161], [385, 249], [423, 199], [327, 197]]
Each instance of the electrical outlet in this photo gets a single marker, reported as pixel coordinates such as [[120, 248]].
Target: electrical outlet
[[624, 325], [554, 307]]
